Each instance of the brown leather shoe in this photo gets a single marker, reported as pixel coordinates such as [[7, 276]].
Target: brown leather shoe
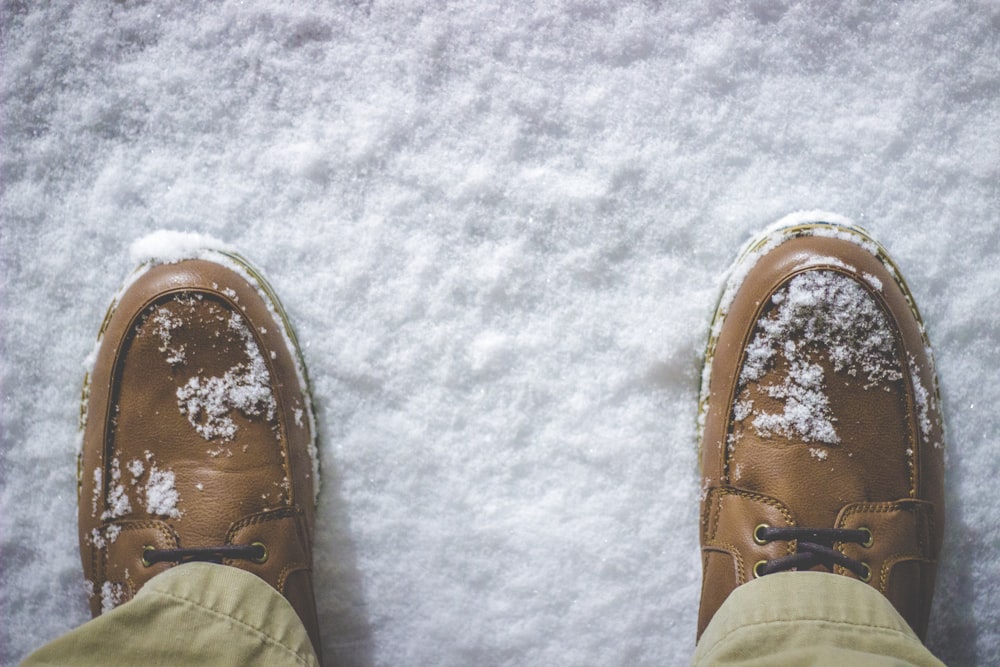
[[198, 436], [822, 445]]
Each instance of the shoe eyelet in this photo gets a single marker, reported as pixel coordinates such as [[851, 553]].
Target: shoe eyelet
[[145, 550], [263, 557], [867, 576], [871, 537], [756, 533], [756, 569]]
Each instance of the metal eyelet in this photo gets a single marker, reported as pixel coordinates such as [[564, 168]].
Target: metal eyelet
[[145, 550], [756, 569], [756, 533], [867, 576], [871, 537], [262, 558]]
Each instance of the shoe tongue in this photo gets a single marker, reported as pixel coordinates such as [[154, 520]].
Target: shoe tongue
[[195, 422]]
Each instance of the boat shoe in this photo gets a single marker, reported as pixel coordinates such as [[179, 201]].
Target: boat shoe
[[197, 435], [821, 436]]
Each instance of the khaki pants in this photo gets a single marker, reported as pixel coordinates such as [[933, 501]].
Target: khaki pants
[[192, 614], [809, 618], [200, 613]]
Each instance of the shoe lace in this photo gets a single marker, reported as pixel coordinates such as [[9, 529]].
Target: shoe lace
[[255, 552], [814, 547]]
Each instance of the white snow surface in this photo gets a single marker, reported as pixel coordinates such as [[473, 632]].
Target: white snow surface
[[165, 245], [500, 233]]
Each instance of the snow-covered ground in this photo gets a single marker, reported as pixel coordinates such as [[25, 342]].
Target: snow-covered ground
[[500, 233]]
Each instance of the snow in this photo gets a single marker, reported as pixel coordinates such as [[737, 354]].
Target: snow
[[118, 503], [164, 245], [806, 412], [873, 281], [164, 324], [135, 466], [208, 402], [819, 453], [924, 399], [500, 232], [161, 494], [111, 596]]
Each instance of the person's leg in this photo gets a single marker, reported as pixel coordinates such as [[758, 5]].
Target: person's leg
[[809, 618], [821, 449], [196, 613]]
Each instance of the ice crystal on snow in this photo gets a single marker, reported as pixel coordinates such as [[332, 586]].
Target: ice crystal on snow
[[208, 402], [818, 313]]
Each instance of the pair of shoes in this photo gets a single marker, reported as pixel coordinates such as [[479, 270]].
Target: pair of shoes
[[821, 437], [821, 445], [198, 435]]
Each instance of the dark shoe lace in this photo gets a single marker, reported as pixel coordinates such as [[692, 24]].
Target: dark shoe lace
[[814, 547], [255, 552]]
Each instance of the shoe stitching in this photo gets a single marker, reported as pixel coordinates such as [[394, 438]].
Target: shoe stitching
[[897, 334], [894, 560], [733, 552], [283, 438], [271, 307], [264, 517], [919, 512], [290, 568], [721, 492], [100, 557]]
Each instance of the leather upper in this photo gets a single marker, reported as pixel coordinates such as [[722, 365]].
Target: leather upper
[[197, 433], [820, 410]]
